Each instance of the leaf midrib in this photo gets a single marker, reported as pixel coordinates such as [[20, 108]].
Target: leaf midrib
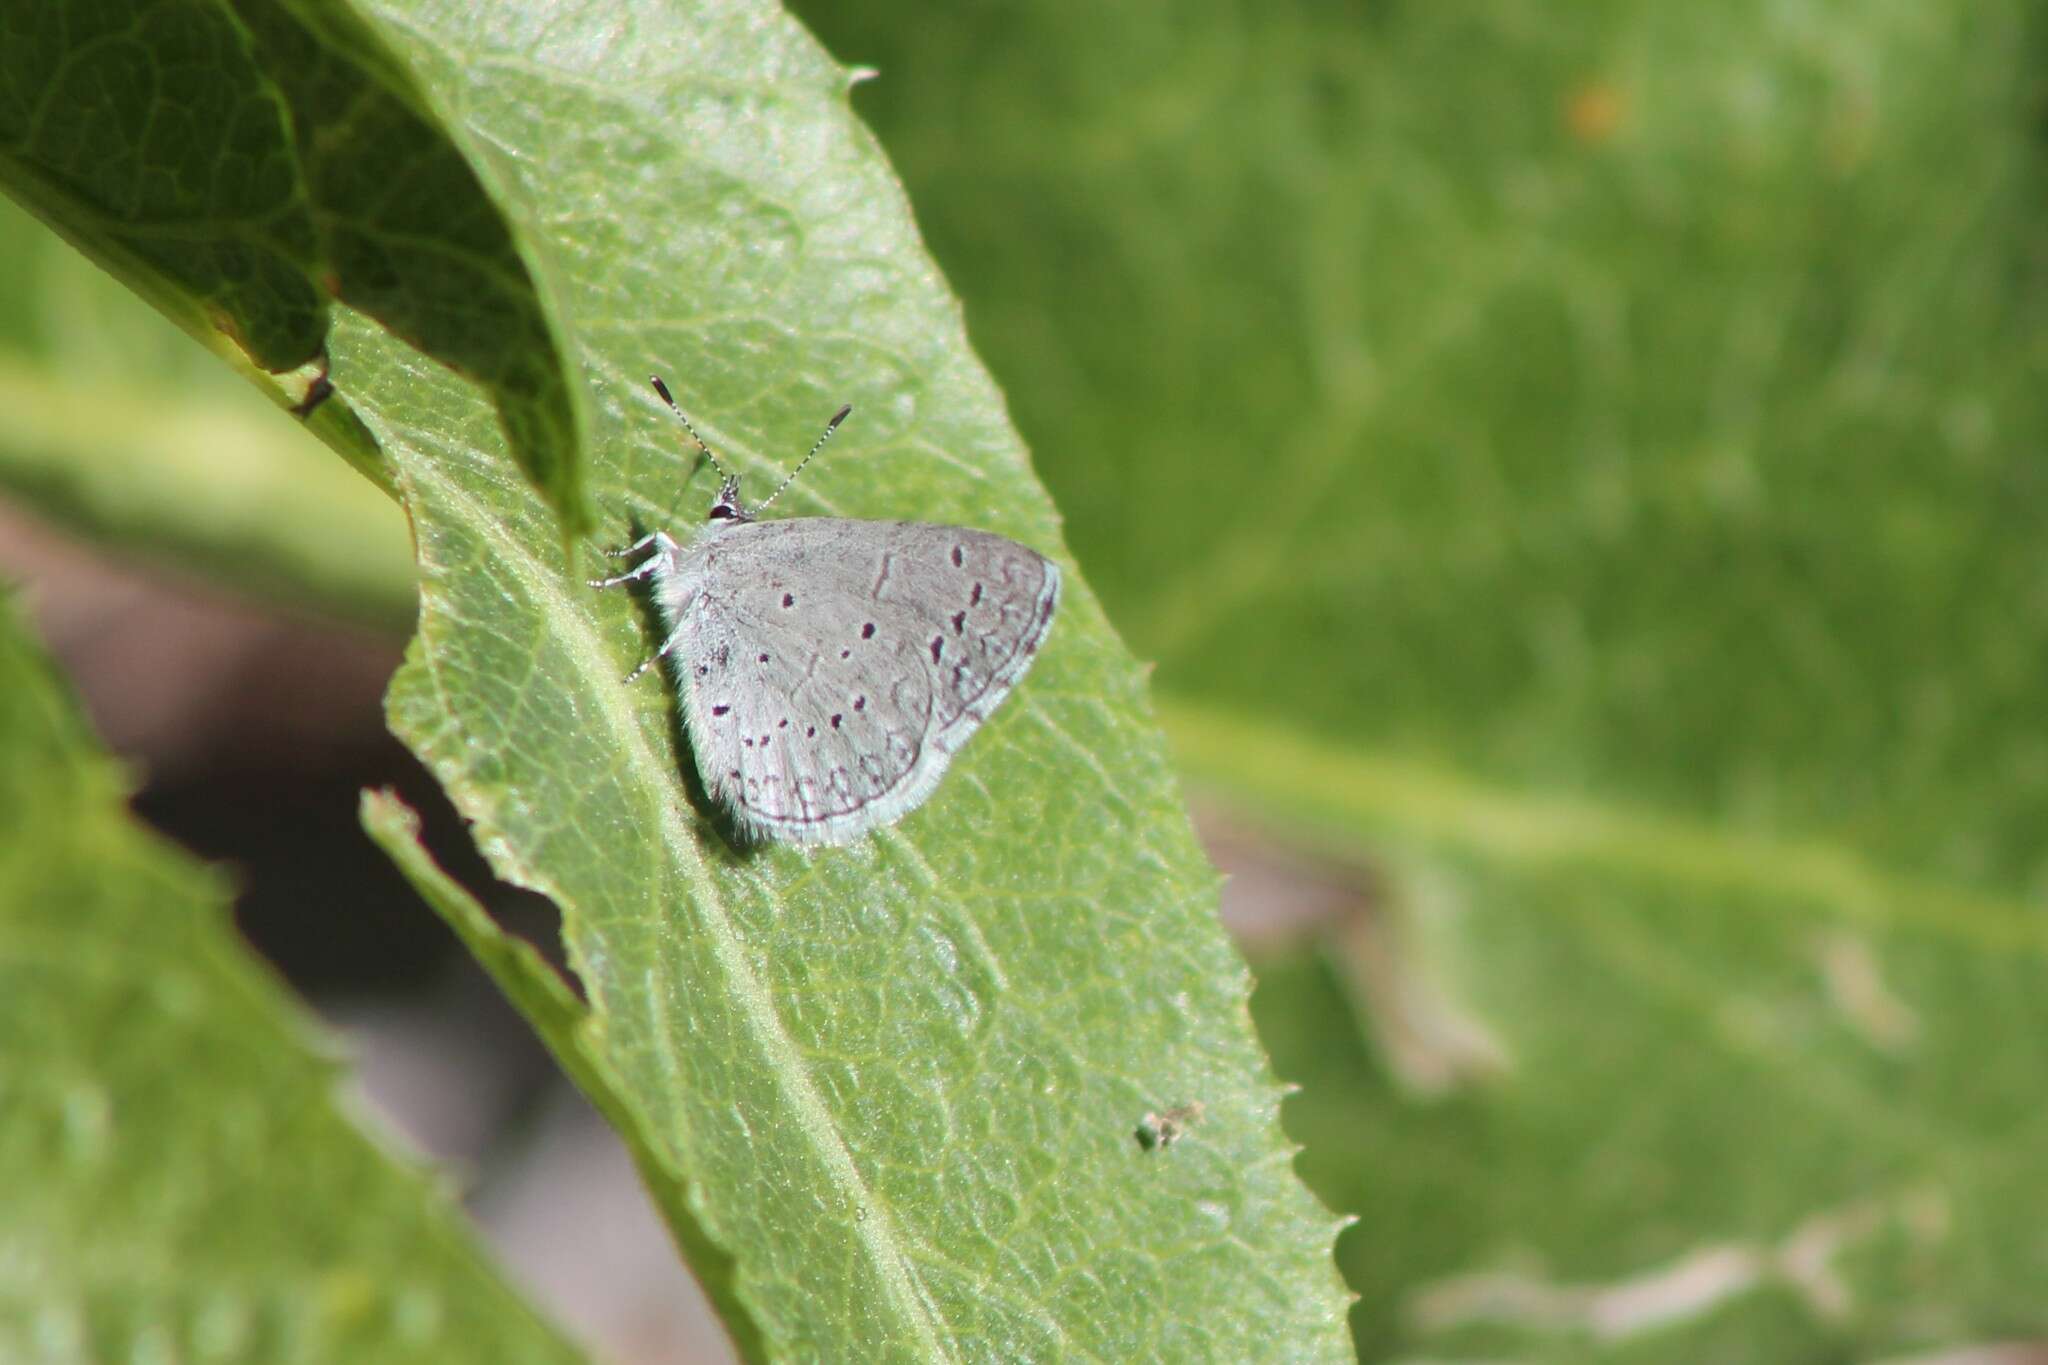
[[1356, 789], [876, 1231]]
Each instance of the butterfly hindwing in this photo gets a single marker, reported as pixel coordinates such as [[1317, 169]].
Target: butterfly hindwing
[[832, 667]]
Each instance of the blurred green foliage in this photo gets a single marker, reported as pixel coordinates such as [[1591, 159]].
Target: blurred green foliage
[[121, 430], [177, 1180], [1585, 463]]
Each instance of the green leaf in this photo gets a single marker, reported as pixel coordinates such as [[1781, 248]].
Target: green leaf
[[176, 1181], [119, 429], [889, 1095], [239, 163], [941, 1048], [1587, 466], [149, 136], [562, 1021], [1650, 1107]]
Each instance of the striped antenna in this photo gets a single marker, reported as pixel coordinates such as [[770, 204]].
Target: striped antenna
[[830, 427], [662, 389]]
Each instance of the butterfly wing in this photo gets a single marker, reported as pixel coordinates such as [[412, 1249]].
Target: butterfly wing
[[833, 667]]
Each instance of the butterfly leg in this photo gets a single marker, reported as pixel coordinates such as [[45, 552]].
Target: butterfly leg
[[638, 571], [651, 660], [664, 549], [627, 551]]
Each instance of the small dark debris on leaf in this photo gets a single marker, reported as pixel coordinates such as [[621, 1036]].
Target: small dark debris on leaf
[[318, 390], [1168, 1126]]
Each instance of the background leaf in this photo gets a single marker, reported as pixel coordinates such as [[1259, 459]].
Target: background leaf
[[149, 136], [121, 430], [178, 1183], [237, 164], [1586, 467]]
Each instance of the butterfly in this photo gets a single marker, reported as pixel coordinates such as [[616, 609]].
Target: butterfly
[[828, 669]]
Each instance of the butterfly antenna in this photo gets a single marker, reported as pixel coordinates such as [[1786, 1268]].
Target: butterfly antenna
[[662, 389], [830, 427]]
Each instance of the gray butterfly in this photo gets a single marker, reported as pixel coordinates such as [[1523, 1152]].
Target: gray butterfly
[[828, 668]]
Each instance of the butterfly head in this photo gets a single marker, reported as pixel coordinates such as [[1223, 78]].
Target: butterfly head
[[727, 505]]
